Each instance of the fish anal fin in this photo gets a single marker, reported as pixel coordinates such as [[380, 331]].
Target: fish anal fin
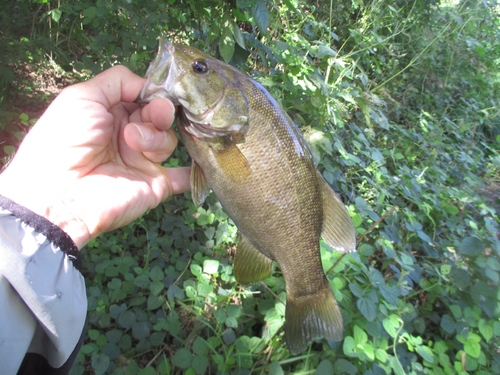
[[312, 316], [251, 265], [199, 186], [232, 162], [338, 230]]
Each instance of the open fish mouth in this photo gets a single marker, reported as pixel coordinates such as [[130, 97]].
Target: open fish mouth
[[160, 75]]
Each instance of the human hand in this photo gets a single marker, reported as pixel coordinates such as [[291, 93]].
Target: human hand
[[88, 165]]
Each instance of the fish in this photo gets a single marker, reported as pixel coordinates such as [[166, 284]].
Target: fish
[[247, 150]]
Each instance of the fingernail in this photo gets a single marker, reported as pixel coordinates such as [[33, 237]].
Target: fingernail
[[145, 133]]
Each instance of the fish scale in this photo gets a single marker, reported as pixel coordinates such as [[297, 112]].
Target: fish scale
[[247, 150]]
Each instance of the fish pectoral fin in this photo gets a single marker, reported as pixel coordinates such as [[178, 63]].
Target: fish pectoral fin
[[312, 316], [199, 186], [338, 230], [232, 162], [251, 265]]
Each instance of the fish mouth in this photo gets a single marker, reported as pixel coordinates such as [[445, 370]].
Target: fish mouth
[[160, 74]]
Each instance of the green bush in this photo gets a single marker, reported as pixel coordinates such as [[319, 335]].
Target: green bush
[[399, 104]]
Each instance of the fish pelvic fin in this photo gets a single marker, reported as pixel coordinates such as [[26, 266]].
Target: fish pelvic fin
[[250, 265], [312, 316], [199, 186], [338, 230]]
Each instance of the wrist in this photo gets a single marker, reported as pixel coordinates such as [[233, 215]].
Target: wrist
[[50, 207]]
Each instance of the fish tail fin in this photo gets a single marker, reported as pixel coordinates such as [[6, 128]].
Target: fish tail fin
[[312, 316]]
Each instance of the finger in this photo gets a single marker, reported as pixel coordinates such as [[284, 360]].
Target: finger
[[180, 179], [114, 85], [159, 111], [155, 144]]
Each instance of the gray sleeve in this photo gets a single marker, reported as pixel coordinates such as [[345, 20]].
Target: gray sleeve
[[43, 302]]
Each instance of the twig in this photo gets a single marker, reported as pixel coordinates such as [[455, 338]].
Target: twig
[[156, 356], [360, 238], [265, 286], [336, 263], [189, 262]]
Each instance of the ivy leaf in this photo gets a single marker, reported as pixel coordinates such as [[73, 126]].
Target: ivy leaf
[[261, 15]]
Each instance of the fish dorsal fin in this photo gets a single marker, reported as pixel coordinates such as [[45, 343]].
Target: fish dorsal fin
[[199, 186], [251, 265], [232, 162], [338, 230]]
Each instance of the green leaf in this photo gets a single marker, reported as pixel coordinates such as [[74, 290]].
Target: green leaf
[[156, 274], [220, 316], [182, 358], [325, 367], [343, 366], [390, 293], [425, 353], [471, 246], [210, 266], [457, 311], [200, 364], [199, 346], [448, 324], [100, 363], [275, 369], [148, 371], [9, 150], [389, 327], [24, 117], [226, 49], [155, 301], [234, 311], [156, 287], [485, 329], [229, 336], [472, 348], [126, 319], [164, 367], [260, 15], [357, 220], [140, 330], [56, 14], [368, 308], [356, 290], [360, 336]]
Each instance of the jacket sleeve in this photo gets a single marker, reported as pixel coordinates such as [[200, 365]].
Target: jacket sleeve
[[43, 303]]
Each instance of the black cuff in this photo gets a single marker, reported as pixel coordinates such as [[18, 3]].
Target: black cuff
[[53, 233]]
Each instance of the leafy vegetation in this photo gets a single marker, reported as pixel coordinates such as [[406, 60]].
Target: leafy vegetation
[[398, 101]]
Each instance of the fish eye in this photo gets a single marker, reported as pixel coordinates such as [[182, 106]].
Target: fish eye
[[200, 67]]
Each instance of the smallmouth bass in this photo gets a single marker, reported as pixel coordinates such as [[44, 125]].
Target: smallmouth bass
[[250, 153]]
